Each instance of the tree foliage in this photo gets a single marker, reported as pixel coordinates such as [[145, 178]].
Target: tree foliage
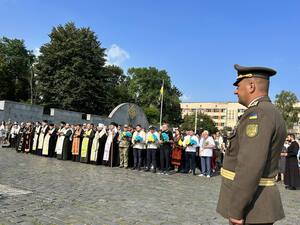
[[15, 64], [117, 91], [144, 88], [285, 101], [203, 122], [70, 71]]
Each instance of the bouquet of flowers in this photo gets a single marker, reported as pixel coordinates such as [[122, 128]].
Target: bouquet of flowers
[[179, 143], [138, 139], [190, 142], [126, 135], [152, 138], [165, 137]]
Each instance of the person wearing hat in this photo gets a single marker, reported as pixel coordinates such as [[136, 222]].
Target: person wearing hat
[[152, 143], [96, 147], [86, 144], [36, 131], [248, 193], [124, 143], [76, 144], [111, 150], [50, 141]]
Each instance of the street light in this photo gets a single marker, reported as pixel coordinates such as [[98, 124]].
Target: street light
[[196, 119]]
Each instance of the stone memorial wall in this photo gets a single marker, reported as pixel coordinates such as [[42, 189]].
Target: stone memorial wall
[[126, 113]]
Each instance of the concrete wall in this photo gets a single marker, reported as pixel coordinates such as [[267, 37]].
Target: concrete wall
[[16, 111], [126, 113]]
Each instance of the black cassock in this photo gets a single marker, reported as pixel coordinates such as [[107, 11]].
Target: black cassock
[[20, 140], [292, 174], [102, 141], [113, 153], [67, 146]]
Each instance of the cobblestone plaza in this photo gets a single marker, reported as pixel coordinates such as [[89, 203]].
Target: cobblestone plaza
[[39, 190]]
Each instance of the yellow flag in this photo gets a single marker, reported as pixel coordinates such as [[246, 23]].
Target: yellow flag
[[162, 90]]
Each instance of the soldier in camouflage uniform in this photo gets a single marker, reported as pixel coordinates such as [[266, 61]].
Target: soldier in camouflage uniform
[[124, 143]]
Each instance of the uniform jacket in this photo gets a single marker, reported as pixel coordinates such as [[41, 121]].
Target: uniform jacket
[[253, 153]]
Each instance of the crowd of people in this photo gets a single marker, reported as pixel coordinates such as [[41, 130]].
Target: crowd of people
[[137, 148]]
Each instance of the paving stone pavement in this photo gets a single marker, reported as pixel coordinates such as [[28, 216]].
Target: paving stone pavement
[[38, 190]]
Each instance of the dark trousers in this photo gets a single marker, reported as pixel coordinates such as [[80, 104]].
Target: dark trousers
[[151, 157], [190, 161], [165, 157], [137, 157]]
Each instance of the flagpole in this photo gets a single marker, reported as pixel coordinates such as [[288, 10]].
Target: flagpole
[[161, 104]]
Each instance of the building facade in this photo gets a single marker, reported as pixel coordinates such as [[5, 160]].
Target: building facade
[[224, 114]]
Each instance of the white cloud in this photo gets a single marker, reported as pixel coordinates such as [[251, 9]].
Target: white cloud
[[37, 52], [116, 55], [185, 98]]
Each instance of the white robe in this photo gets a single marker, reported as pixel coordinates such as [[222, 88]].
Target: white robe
[[36, 136], [60, 141], [95, 145], [42, 136]]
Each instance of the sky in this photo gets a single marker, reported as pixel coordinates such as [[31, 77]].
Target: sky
[[196, 41]]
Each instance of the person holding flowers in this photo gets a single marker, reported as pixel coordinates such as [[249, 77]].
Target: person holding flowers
[[166, 142], [190, 143], [138, 141], [152, 142], [124, 143]]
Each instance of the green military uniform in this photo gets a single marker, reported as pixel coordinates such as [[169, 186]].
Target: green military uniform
[[124, 143], [248, 190]]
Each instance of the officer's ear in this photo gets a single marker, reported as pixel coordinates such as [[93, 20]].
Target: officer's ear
[[251, 86]]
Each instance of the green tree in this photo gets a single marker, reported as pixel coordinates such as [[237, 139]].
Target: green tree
[[144, 88], [70, 71], [285, 101], [117, 89], [15, 74], [203, 122]]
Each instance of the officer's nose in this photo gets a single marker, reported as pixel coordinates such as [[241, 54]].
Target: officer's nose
[[235, 92]]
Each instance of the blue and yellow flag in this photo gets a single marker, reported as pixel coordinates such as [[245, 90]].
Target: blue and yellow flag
[[161, 91]]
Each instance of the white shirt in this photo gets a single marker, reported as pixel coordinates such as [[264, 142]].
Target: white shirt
[[14, 131], [139, 145], [190, 148], [207, 151], [151, 145]]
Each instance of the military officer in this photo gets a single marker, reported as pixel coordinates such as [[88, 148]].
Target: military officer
[[248, 193]]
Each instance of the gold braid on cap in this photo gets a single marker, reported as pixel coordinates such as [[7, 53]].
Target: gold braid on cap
[[249, 75]]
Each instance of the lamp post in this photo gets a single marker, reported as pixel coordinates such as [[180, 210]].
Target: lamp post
[[196, 119]]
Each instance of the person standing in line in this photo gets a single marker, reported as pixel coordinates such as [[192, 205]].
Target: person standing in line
[[138, 141], [166, 142], [36, 130], [207, 144], [190, 144], [124, 143], [86, 144], [292, 174], [152, 143], [76, 144], [177, 152]]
